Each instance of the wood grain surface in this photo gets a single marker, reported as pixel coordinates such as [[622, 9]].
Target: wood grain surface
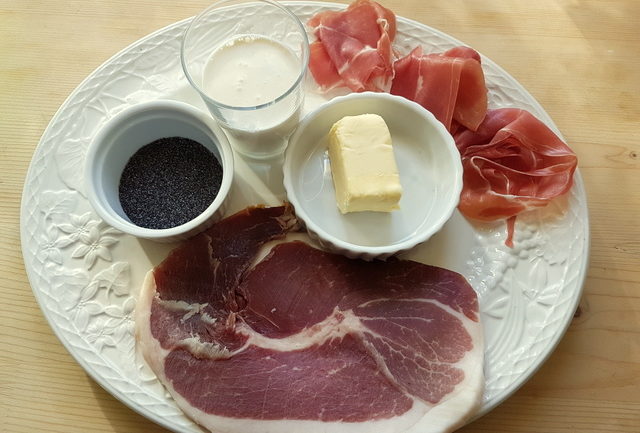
[[580, 59]]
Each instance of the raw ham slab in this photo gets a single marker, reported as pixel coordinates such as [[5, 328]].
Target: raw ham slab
[[307, 341]]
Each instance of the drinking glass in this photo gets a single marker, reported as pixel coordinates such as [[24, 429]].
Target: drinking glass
[[258, 131]]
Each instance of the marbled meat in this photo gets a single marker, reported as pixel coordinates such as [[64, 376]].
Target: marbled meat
[[307, 341]]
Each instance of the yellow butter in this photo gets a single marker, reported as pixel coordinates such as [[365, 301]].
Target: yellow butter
[[363, 167]]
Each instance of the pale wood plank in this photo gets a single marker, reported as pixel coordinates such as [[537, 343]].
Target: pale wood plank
[[579, 58]]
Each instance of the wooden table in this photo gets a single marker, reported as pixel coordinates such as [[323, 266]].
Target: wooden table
[[579, 58]]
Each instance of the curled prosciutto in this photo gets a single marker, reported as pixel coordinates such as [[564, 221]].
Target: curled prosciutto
[[353, 47], [512, 163], [450, 85]]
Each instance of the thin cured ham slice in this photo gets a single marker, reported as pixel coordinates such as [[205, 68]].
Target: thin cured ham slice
[[512, 163], [322, 67], [450, 85], [353, 47], [308, 341]]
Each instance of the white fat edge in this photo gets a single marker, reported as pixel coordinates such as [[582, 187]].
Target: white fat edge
[[206, 318], [366, 49], [473, 158], [203, 349], [146, 344], [214, 262], [457, 314], [321, 332], [383, 82], [221, 424], [288, 221], [289, 237], [382, 22], [419, 86], [179, 306], [529, 202]]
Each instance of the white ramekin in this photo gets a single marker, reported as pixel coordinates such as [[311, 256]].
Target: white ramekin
[[430, 173], [135, 127]]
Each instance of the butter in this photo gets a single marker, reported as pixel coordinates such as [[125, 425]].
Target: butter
[[364, 170]]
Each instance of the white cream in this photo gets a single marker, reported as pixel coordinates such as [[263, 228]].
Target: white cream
[[250, 71]]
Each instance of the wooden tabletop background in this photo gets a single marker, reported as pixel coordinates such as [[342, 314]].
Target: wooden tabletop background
[[579, 58]]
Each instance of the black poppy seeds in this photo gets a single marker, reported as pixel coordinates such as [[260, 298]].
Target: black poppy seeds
[[169, 182]]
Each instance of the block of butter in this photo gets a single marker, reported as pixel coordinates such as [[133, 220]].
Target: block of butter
[[364, 169]]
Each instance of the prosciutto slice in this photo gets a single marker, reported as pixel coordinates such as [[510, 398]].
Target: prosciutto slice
[[450, 85], [512, 163], [307, 341], [353, 47]]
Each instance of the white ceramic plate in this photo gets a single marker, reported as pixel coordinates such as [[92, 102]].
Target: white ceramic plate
[[86, 275]]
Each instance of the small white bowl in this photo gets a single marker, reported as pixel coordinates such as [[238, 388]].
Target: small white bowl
[[135, 127], [428, 163]]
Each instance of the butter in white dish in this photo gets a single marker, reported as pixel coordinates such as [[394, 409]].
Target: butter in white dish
[[363, 166]]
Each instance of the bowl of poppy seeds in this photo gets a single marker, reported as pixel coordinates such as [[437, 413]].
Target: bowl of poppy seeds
[[159, 170]]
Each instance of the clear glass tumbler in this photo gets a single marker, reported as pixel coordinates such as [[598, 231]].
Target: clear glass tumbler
[[248, 59]]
